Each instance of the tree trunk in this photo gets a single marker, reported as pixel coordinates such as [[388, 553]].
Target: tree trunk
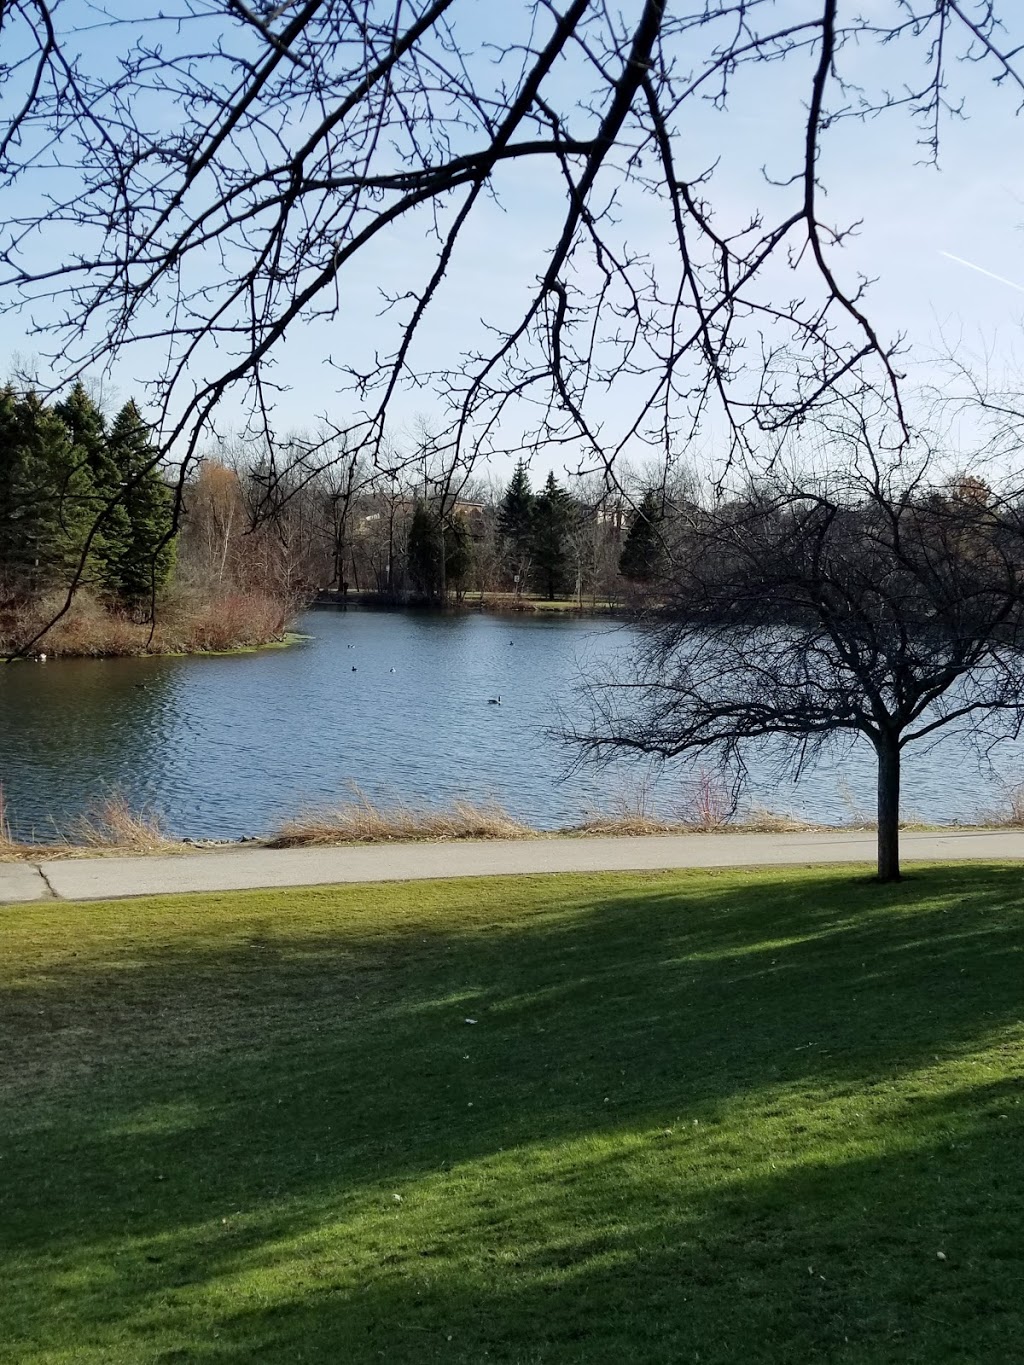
[[888, 750]]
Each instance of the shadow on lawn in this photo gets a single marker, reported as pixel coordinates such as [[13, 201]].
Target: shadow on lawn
[[288, 1083], [831, 1261]]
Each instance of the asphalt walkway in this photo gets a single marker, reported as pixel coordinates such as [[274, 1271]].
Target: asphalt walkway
[[245, 869]]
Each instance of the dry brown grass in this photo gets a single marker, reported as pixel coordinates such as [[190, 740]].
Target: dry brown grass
[[708, 806], [108, 826], [185, 625], [754, 822], [759, 820], [361, 821], [596, 823], [232, 620], [13, 850], [111, 824], [1009, 814]]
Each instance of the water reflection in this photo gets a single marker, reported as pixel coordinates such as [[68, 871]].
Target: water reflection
[[397, 703]]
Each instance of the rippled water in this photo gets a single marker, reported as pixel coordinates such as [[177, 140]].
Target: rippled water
[[397, 703]]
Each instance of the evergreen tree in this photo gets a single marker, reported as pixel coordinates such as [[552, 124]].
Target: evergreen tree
[[89, 443], [458, 553], [515, 512], [642, 549], [146, 558], [515, 521], [424, 551], [46, 497], [10, 479], [551, 523]]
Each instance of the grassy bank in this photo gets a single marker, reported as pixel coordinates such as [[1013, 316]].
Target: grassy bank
[[111, 825], [531, 604], [498, 603], [706, 1117], [185, 624]]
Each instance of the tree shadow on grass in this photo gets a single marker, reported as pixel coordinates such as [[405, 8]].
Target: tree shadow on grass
[[225, 1120], [904, 1255]]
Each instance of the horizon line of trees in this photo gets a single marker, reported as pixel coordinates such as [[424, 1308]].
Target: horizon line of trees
[[407, 536], [85, 506]]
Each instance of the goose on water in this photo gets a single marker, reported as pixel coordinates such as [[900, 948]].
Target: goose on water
[[494, 701]]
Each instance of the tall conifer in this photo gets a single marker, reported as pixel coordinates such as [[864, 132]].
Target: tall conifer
[[89, 443], [147, 557], [515, 522], [642, 550], [46, 497], [551, 524]]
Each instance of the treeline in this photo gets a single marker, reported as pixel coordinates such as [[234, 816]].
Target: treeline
[[87, 509], [91, 559], [81, 497], [405, 537]]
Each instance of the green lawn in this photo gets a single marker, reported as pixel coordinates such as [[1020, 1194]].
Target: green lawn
[[702, 1117]]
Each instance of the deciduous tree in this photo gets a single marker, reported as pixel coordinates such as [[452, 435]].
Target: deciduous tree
[[220, 175], [880, 600]]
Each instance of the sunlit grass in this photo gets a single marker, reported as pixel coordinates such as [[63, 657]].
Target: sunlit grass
[[710, 1116]]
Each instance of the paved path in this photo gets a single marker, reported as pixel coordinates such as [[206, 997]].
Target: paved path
[[248, 868]]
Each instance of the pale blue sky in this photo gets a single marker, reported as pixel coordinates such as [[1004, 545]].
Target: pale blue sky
[[971, 208]]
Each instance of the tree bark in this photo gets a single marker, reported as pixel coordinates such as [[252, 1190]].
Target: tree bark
[[888, 749]]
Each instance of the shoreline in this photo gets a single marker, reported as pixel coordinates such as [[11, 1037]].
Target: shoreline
[[487, 604], [14, 852], [285, 641], [241, 869]]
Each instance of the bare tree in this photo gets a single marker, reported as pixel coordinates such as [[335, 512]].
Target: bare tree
[[883, 600], [221, 172]]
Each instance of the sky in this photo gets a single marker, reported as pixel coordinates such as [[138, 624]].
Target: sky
[[943, 244]]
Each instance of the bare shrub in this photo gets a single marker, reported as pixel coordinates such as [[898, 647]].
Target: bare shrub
[[219, 623], [630, 811], [110, 823], [14, 850], [709, 804], [1014, 816], [8, 845], [232, 620], [361, 821], [1009, 814]]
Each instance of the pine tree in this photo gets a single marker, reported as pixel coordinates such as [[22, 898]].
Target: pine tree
[[424, 551], [551, 523], [642, 549], [10, 479], [515, 512], [89, 443], [515, 523], [458, 553], [145, 561], [46, 497]]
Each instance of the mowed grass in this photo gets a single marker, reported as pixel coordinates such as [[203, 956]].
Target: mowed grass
[[699, 1117]]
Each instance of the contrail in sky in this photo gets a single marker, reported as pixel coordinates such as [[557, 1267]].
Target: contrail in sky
[[981, 270]]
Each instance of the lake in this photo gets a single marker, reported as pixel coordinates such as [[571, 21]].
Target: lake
[[397, 703]]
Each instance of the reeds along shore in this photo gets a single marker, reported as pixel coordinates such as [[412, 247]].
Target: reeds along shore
[[111, 826], [207, 623]]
